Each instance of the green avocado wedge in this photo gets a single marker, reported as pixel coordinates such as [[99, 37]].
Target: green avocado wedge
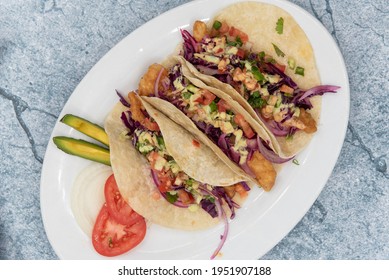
[[86, 127], [82, 149]]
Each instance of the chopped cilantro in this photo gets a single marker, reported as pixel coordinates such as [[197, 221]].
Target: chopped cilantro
[[261, 55], [231, 43], [280, 26], [278, 51], [256, 101], [238, 41], [189, 182], [229, 112], [186, 94], [299, 71], [213, 106], [171, 197], [210, 198], [217, 24], [161, 142], [258, 75]]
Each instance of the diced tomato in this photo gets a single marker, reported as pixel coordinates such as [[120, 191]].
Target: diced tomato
[[243, 124], [117, 207], [196, 143], [241, 53], [150, 125], [222, 106], [185, 197], [208, 97], [110, 238], [280, 67], [235, 32], [200, 99], [286, 89], [224, 28], [152, 157], [165, 181]]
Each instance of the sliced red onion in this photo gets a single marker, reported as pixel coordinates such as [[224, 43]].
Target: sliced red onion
[[245, 186], [157, 83], [207, 70], [273, 126], [247, 169], [222, 142], [318, 90], [154, 175], [269, 154], [122, 100], [234, 155], [223, 216]]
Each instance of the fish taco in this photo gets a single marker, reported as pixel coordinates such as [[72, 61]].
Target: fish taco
[[259, 55]]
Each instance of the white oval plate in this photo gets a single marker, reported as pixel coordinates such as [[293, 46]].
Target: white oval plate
[[266, 217]]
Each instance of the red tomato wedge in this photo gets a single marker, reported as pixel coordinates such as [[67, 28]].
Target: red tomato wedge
[[109, 238], [117, 207], [208, 97]]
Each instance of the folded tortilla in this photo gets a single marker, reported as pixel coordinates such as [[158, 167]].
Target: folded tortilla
[[133, 172]]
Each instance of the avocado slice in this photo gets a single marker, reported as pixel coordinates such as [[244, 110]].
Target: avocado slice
[[82, 149], [90, 129]]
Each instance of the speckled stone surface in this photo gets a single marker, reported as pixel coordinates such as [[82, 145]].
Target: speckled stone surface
[[46, 48]]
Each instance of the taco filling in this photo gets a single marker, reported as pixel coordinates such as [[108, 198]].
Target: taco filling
[[224, 52]]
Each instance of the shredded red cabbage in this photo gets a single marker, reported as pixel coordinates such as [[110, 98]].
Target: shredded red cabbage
[[271, 156], [122, 100]]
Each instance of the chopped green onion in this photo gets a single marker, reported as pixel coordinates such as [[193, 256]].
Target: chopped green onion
[[258, 75], [217, 24], [189, 182], [186, 95], [291, 63], [299, 71], [261, 55], [213, 106], [280, 25], [295, 161], [171, 198], [278, 51], [256, 101]]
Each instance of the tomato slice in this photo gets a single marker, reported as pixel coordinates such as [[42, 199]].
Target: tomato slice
[[117, 207], [110, 238], [242, 123]]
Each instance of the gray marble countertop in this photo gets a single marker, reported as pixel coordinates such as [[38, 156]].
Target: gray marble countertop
[[46, 48]]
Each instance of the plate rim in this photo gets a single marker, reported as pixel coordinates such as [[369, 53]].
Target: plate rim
[[279, 3]]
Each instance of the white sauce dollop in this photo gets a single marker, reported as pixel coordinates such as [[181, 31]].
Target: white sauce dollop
[[87, 195]]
